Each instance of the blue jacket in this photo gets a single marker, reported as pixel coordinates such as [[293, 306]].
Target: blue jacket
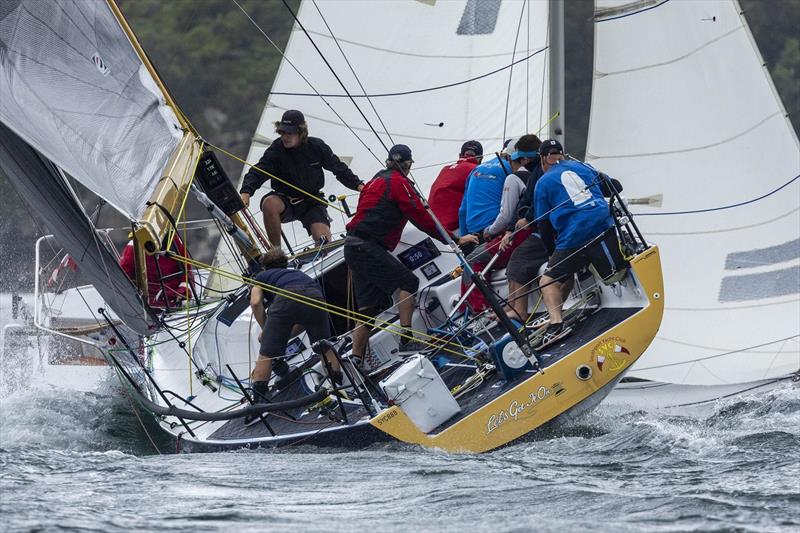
[[481, 202], [570, 196]]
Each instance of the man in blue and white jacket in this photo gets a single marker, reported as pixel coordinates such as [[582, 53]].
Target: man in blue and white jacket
[[575, 224]]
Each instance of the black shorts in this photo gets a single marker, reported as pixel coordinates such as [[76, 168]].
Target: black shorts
[[305, 210], [603, 254], [526, 260], [284, 313], [376, 273]]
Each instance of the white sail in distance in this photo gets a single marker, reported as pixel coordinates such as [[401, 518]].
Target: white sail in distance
[[685, 114], [73, 87], [438, 72]]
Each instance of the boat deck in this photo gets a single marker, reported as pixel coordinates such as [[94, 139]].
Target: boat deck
[[586, 329]]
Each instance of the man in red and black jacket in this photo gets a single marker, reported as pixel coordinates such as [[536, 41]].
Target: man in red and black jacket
[[386, 203]]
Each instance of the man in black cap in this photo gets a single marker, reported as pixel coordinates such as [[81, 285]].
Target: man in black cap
[[576, 227], [447, 190], [387, 202], [297, 160]]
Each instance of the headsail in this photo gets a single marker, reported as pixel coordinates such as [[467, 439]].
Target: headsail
[[74, 88], [683, 106], [43, 188], [438, 72]]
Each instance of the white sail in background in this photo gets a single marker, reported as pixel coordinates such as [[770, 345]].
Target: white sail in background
[[411, 46], [72, 86], [683, 106]]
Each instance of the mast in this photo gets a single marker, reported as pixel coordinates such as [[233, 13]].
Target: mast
[[556, 56]]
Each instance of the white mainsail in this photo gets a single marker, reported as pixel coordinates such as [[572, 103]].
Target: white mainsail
[[439, 71], [683, 106], [73, 87]]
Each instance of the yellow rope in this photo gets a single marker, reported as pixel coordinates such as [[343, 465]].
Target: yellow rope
[[274, 177], [183, 204], [325, 306]]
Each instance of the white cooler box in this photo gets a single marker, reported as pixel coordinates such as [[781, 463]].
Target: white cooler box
[[419, 390]]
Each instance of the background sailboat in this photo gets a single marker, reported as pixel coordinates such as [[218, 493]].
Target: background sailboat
[[685, 112]]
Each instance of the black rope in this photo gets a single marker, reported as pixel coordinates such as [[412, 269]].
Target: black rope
[[335, 75], [417, 91], [335, 40], [511, 72]]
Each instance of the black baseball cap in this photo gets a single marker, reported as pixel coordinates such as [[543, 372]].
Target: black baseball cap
[[474, 147], [291, 121], [400, 153], [550, 146]]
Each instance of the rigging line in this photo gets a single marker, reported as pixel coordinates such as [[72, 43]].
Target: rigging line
[[511, 73], [318, 304], [412, 54], [721, 208], [718, 355], [726, 230], [174, 229], [335, 40], [272, 176], [425, 90], [335, 75], [545, 77], [305, 79]]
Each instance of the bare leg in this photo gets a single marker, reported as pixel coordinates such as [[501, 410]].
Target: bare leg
[[518, 299], [361, 334], [334, 362], [320, 229], [406, 308], [271, 209], [551, 293], [263, 369], [566, 288]]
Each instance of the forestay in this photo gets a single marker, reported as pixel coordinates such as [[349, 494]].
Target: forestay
[[73, 87], [438, 72], [683, 107]]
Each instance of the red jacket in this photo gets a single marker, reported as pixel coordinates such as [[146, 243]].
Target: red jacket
[[171, 270], [448, 190], [385, 204]]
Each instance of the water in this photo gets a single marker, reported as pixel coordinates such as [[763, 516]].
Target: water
[[81, 461]]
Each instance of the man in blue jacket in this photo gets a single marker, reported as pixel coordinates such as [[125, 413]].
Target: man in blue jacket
[[569, 203]]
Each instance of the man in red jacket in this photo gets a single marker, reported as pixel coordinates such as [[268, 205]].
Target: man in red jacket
[[386, 203], [166, 277], [447, 190]]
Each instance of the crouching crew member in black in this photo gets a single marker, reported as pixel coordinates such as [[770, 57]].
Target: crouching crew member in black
[[278, 314], [298, 160], [386, 204]]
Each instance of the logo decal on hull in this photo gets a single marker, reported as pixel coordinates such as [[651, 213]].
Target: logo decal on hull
[[610, 353]]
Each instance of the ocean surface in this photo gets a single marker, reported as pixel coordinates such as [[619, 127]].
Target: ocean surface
[[82, 462]]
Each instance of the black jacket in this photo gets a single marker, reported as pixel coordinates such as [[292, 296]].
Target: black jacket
[[301, 166]]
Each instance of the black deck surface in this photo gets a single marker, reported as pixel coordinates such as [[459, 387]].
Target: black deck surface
[[585, 330]]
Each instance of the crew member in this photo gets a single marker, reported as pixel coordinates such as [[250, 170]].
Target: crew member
[[482, 194], [498, 236], [166, 277], [298, 160], [387, 202], [278, 314], [447, 190], [569, 201]]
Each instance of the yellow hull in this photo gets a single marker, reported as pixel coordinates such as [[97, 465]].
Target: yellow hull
[[544, 396]]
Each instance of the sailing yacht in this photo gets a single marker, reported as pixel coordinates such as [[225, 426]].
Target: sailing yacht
[[117, 130]]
